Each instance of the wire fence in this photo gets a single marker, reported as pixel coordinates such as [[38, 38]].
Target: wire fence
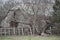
[[15, 31]]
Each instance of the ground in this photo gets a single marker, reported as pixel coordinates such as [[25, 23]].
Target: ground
[[30, 38]]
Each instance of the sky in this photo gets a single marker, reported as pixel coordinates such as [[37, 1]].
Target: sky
[[7, 0], [21, 0], [3, 1], [11, 0]]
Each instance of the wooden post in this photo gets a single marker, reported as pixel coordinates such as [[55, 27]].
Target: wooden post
[[22, 32], [9, 31], [14, 30], [18, 31], [5, 31], [30, 31], [1, 31]]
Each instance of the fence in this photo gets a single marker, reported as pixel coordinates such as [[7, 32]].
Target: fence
[[15, 31]]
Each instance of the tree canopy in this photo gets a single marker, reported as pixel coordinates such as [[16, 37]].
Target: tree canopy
[[56, 13]]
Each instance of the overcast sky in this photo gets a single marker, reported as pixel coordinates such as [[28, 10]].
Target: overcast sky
[[11, 0]]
